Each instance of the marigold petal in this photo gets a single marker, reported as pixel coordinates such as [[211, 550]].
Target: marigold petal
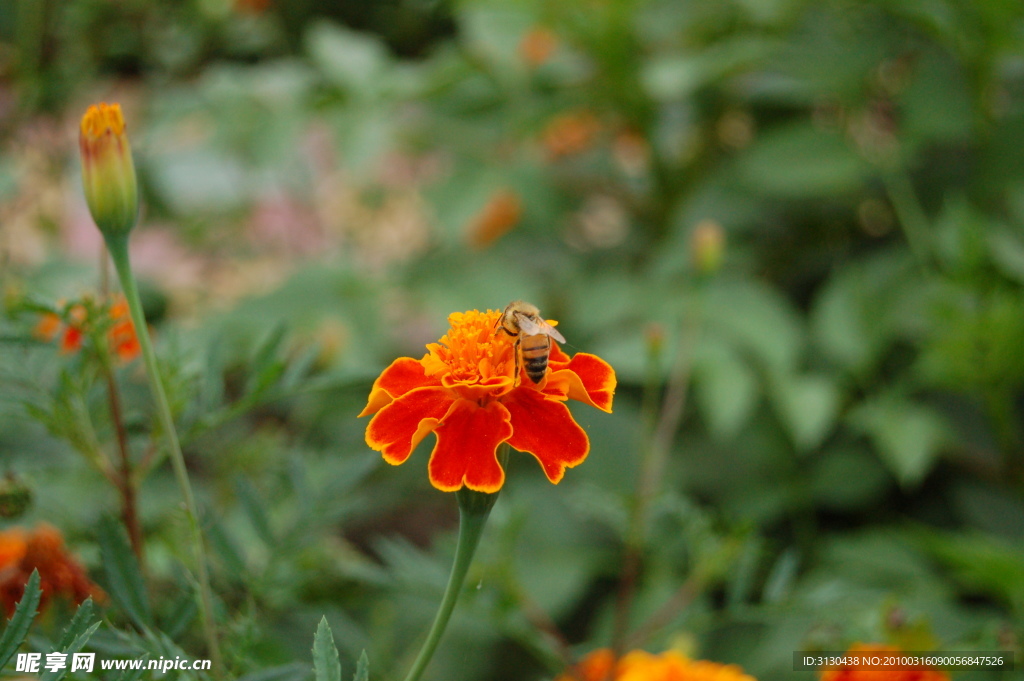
[[467, 444], [404, 374], [596, 666], [544, 428], [400, 425], [12, 547], [591, 380]]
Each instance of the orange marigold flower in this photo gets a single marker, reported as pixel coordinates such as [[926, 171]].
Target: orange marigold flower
[[12, 549], [71, 340], [121, 335], [464, 391], [537, 45], [643, 666], [48, 327], [80, 321], [570, 133], [60, 575], [862, 674], [499, 216]]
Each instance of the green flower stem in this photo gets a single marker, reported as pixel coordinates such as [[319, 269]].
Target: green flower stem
[[117, 244], [474, 508], [910, 215]]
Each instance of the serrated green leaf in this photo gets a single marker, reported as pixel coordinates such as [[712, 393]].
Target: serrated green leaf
[[326, 663], [362, 668], [79, 623], [184, 613], [135, 674], [18, 625], [73, 647], [124, 577], [234, 559], [265, 365], [299, 368], [254, 508]]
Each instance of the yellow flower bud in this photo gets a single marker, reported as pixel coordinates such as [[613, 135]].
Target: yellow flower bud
[[108, 173], [707, 247]]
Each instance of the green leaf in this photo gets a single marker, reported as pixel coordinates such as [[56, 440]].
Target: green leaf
[[326, 664], [183, 614], [726, 389], [848, 478], [231, 555], [351, 59], [18, 625], [74, 646], [981, 562], [1006, 248], [362, 668], [676, 76], [781, 579], [808, 406], [756, 319], [124, 578], [135, 674], [79, 623], [265, 365], [254, 508], [802, 161], [908, 436]]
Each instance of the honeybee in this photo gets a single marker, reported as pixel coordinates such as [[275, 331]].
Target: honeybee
[[533, 337]]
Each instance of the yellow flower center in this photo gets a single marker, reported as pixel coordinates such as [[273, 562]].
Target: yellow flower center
[[473, 351], [101, 118]]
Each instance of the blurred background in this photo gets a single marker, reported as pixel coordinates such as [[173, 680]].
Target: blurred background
[[795, 229]]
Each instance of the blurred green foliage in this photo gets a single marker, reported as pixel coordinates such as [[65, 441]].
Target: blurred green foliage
[[849, 463]]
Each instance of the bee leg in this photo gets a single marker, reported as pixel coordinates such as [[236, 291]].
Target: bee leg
[[515, 379]]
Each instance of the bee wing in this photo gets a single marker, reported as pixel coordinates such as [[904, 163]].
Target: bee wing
[[534, 326], [531, 327], [553, 332]]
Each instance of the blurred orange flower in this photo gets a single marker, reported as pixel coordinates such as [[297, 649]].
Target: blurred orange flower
[[570, 133], [643, 666], [76, 323], [873, 649], [464, 391], [121, 334], [537, 45], [499, 216], [60, 575]]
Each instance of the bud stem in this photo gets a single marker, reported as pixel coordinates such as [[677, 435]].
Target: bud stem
[[117, 245]]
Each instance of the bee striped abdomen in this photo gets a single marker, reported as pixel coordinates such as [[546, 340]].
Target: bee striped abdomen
[[535, 351]]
